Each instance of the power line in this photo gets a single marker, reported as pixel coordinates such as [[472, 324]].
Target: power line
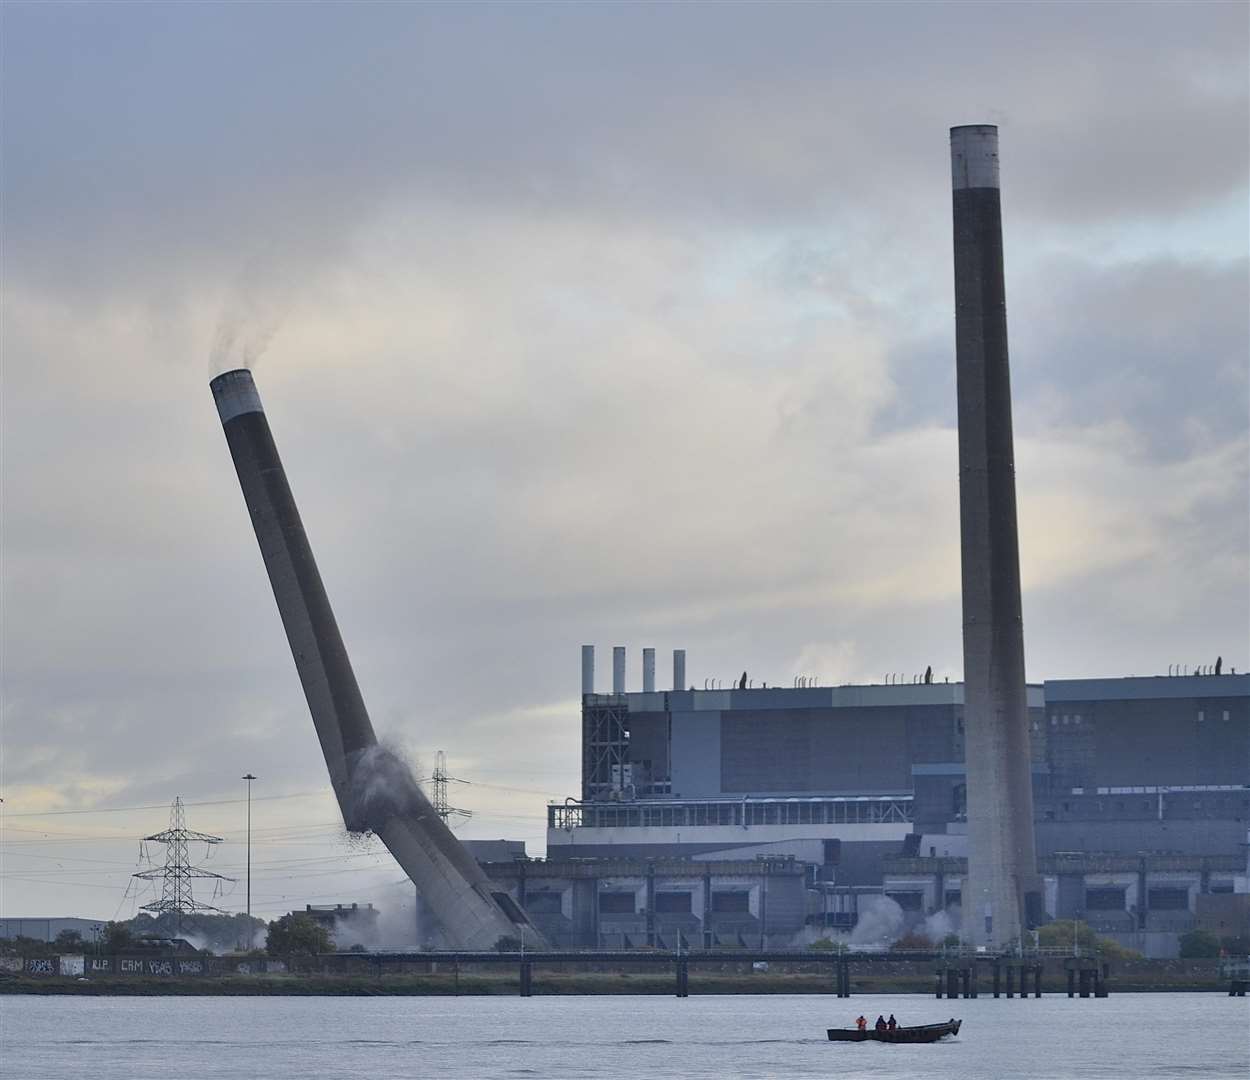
[[161, 806], [519, 790], [259, 798], [62, 881]]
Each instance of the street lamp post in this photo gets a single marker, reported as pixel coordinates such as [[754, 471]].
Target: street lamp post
[[249, 778]]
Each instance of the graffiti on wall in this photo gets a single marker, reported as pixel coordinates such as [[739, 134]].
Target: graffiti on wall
[[70, 965], [77, 965]]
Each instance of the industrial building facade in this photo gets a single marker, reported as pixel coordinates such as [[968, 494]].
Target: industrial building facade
[[846, 781], [660, 903]]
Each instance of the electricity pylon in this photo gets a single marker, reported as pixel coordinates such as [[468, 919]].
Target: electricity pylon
[[177, 874], [440, 780]]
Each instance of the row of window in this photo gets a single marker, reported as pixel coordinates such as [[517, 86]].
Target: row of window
[[725, 901], [763, 812], [1110, 898], [1213, 807], [737, 901], [1101, 898], [1075, 718]]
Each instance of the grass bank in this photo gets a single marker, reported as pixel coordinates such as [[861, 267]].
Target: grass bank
[[1136, 976]]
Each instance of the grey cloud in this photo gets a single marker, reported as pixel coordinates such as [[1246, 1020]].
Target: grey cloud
[[189, 132], [1162, 345], [1159, 344]]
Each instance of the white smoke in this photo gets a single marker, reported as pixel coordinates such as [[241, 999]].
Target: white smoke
[[810, 935], [251, 314], [394, 929], [198, 941], [940, 924], [880, 922], [383, 786]]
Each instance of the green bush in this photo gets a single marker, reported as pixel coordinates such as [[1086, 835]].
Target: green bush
[[28, 946], [912, 941], [297, 935], [1198, 944], [825, 944], [1058, 935], [117, 937]]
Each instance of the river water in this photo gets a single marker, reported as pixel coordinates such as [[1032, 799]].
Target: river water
[[1192, 1036]]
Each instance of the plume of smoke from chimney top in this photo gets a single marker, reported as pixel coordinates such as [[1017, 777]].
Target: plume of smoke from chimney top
[[252, 312]]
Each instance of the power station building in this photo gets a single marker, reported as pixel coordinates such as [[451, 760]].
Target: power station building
[[1141, 790]]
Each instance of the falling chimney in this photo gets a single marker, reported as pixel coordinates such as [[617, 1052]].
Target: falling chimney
[[374, 790]]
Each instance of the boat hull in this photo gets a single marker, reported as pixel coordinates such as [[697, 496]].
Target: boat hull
[[926, 1033]]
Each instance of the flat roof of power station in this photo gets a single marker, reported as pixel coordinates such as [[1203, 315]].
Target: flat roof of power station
[[1131, 687]]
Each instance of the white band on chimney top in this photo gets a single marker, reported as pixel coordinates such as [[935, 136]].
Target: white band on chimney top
[[974, 156], [235, 394]]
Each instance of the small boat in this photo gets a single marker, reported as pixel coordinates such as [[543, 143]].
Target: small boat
[[925, 1033]]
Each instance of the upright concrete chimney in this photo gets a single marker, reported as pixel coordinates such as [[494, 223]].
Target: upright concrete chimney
[[375, 790], [648, 671], [679, 669], [618, 669], [588, 669], [1002, 893]]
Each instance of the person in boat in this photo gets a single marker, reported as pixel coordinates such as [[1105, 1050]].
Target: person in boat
[[880, 1024], [861, 1022], [891, 1024]]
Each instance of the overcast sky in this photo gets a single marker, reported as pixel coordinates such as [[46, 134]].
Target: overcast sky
[[578, 324]]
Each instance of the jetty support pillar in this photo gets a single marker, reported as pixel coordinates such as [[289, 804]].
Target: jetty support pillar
[[683, 978]]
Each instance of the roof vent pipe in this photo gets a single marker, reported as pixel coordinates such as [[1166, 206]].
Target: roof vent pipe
[[679, 669], [648, 671], [588, 669], [618, 669]]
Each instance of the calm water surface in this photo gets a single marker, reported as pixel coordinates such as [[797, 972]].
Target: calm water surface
[[1193, 1036]]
